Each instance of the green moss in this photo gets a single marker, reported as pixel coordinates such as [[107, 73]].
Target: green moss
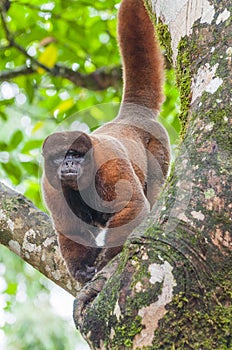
[[208, 327], [164, 39], [130, 323], [219, 118], [9, 205], [184, 80], [162, 31], [148, 6], [124, 333]]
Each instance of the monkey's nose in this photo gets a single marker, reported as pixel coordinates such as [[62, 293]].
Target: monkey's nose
[[70, 167], [69, 163]]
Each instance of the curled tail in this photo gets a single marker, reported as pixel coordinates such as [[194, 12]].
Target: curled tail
[[142, 58]]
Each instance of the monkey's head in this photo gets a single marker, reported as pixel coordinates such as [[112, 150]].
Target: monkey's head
[[68, 160]]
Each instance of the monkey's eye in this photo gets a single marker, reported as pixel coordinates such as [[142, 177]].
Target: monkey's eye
[[74, 154], [56, 159]]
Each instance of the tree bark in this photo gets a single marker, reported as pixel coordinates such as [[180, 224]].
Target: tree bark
[[28, 232], [171, 286]]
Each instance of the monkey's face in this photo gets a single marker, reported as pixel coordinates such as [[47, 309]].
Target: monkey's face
[[68, 159]]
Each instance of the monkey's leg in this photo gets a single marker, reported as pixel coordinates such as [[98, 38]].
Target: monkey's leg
[[79, 258]]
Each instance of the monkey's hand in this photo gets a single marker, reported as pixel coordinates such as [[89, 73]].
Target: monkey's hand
[[79, 258], [82, 274]]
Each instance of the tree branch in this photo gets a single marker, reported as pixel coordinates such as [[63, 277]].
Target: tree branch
[[99, 80], [28, 232], [9, 74]]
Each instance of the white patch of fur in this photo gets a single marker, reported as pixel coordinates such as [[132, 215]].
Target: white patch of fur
[[101, 237]]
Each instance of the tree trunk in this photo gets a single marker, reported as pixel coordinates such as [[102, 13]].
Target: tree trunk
[[171, 287]]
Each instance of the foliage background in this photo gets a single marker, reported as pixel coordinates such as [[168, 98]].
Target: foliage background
[[80, 35]]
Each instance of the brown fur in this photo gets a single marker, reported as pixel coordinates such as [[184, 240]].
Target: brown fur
[[126, 160], [142, 59]]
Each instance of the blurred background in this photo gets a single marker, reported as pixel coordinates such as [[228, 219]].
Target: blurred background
[[59, 69]]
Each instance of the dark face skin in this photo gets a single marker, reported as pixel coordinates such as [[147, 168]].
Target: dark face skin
[[68, 160], [71, 168], [71, 165]]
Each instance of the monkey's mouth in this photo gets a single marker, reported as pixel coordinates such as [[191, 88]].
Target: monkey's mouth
[[69, 175]]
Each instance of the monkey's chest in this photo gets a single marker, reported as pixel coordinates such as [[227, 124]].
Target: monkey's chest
[[86, 207]]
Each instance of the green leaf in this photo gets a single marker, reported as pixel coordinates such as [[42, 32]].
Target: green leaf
[[31, 168], [38, 126], [11, 288], [29, 89], [65, 105], [8, 102], [13, 171], [48, 57], [3, 146], [3, 116], [30, 145], [15, 140]]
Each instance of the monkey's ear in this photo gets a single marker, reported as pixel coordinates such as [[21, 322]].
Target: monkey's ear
[[43, 146], [51, 143], [81, 143]]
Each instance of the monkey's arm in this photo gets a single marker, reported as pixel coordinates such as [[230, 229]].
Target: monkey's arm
[[74, 240], [123, 222], [122, 191]]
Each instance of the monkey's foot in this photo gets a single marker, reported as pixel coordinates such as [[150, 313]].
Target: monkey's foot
[[89, 292], [85, 274]]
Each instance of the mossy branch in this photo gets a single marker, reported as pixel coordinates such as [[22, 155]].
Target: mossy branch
[[29, 233]]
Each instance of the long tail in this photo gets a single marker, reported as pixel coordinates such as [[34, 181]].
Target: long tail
[[142, 58]]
